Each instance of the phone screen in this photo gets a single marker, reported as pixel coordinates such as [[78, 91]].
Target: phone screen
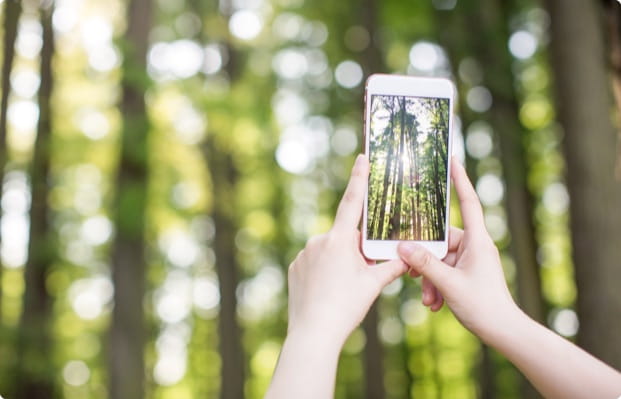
[[408, 151]]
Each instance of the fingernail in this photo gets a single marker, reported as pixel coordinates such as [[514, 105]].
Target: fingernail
[[358, 162], [406, 248]]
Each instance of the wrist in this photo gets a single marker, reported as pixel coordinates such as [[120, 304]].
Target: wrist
[[318, 339], [506, 329], [307, 365]]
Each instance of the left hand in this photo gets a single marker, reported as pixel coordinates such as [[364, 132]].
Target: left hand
[[331, 284]]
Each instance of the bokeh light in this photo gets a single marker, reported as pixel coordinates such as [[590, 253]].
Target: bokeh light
[[288, 26], [348, 74], [258, 296], [65, 16], [490, 189], [496, 223], [25, 82], [180, 59], [29, 40], [76, 373], [97, 230], [565, 322], [171, 347], [90, 296], [180, 247], [479, 99], [479, 142], [556, 198], [427, 58], [173, 299], [344, 141], [290, 63], [522, 44], [92, 123], [413, 312], [391, 330], [214, 59], [23, 115], [245, 24], [206, 294], [15, 225]]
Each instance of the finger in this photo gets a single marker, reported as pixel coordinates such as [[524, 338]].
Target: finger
[[429, 292], [350, 208], [439, 301], [358, 242], [469, 203], [413, 273], [450, 259], [455, 237], [426, 264], [387, 272]]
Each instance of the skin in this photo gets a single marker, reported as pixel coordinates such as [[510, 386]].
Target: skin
[[471, 281], [332, 287]]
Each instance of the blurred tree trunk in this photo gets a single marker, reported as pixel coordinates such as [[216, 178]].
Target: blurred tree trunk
[[493, 20], [450, 36], [492, 23], [372, 62], [584, 106], [487, 44], [36, 374], [127, 336], [12, 12], [224, 177], [373, 357], [612, 9]]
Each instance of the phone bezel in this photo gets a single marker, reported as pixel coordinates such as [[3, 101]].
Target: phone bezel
[[400, 85]]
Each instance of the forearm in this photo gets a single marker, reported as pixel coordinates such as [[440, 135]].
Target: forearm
[[306, 367], [555, 366]]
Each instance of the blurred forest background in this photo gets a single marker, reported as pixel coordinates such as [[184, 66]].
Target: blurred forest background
[[172, 156]]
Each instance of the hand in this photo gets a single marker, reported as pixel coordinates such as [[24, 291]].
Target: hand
[[470, 278], [331, 284]]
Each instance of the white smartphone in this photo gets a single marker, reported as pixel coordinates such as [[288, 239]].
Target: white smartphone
[[408, 134]]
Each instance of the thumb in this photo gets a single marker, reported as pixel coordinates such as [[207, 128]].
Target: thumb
[[387, 272], [426, 264]]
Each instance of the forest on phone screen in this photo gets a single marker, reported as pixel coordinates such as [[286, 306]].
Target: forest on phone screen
[[409, 153]]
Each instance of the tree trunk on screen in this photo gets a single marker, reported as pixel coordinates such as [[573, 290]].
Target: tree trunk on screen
[[126, 367], [584, 103], [12, 12], [372, 62], [223, 177], [387, 172], [36, 374]]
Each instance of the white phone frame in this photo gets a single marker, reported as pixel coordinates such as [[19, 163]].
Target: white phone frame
[[399, 85]]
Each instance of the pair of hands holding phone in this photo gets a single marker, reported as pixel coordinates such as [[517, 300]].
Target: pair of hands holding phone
[[332, 286]]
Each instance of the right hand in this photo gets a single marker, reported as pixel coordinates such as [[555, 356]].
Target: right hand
[[470, 277]]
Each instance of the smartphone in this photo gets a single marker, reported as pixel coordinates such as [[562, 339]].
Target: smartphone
[[408, 132]]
